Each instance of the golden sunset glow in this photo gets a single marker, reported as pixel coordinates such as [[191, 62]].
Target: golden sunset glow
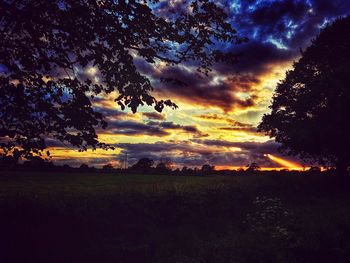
[[285, 163], [197, 132], [218, 114]]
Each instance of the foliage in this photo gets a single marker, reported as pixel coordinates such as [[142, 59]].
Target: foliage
[[269, 218], [107, 167], [272, 226], [253, 167], [207, 168], [314, 169], [46, 47], [164, 166], [310, 106], [84, 167], [143, 165]]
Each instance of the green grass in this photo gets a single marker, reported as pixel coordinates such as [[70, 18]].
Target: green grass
[[141, 218], [78, 183]]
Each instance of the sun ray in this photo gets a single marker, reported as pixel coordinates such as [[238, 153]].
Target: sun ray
[[285, 163]]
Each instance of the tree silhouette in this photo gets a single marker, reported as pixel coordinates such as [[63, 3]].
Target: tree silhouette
[[310, 108], [143, 165], [253, 167], [37, 164], [49, 48], [165, 165], [207, 169], [162, 168], [84, 167], [314, 169], [107, 167]]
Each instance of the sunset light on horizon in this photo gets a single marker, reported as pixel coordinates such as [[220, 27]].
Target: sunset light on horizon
[[285, 162]]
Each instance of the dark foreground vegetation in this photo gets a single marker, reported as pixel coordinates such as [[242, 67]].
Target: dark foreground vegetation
[[115, 218]]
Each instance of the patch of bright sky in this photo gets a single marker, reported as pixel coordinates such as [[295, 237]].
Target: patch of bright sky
[[255, 32], [92, 71], [291, 29], [62, 153], [243, 95], [120, 138], [236, 6], [188, 115], [183, 114], [325, 22], [278, 43], [264, 92], [216, 80]]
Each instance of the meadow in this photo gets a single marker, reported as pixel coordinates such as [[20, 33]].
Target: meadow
[[81, 217]]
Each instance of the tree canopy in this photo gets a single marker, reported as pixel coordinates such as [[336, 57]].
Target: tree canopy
[[253, 167], [310, 108], [143, 165], [45, 46]]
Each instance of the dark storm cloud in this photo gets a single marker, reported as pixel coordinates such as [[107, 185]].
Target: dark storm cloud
[[103, 106], [252, 151], [320, 11], [213, 158], [112, 113], [159, 147], [134, 128], [144, 67], [255, 59], [242, 82], [172, 126], [151, 128], [277, 30], [290, 22], [276, 18], [198, 152], [209, 91], [182, 153], [271, 12], [185, 153], [154, 116]]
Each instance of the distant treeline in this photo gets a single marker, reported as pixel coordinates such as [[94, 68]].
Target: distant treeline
[[144, 166]]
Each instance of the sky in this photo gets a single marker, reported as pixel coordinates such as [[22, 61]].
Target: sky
[[217, 116]]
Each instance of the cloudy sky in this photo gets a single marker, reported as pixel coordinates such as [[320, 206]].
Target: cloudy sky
[[217, 115]]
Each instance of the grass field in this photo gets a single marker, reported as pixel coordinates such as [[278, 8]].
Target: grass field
[[142, 218]]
